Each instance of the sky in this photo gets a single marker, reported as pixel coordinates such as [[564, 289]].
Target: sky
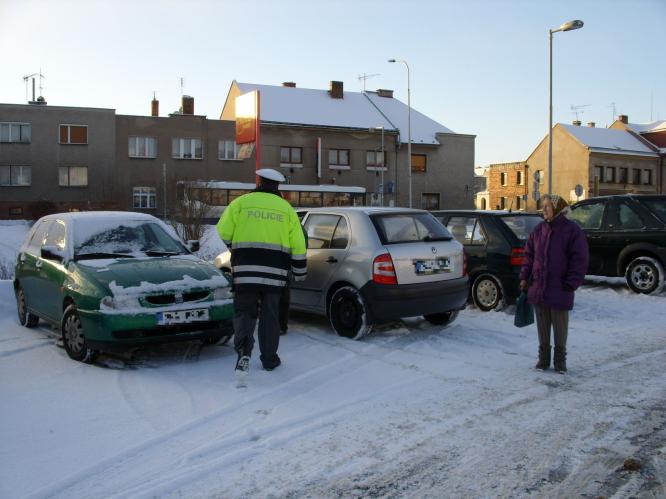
[[478, 67]]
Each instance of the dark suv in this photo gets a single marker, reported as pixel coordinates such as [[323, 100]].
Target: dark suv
[[627, 237], [494, 243]]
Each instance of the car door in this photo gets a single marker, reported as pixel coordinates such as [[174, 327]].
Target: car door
[[328, 242], [626, 225], [592, 217], [52, 272], [29, 266]]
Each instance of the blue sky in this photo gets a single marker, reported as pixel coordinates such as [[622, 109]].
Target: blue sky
[[478, 67]]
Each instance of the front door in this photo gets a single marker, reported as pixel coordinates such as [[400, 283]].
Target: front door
[[51, 274], [30, 265]]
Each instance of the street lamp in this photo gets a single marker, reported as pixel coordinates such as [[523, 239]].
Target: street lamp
[[571, 25], [409, 131]]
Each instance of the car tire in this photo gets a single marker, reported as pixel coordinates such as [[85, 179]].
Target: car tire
[[645, 275], [73, 338], [441, 319], [487, 292], [347, 313], [26, 319]]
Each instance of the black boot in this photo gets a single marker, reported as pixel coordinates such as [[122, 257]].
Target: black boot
[[544, 358], [560, 360]]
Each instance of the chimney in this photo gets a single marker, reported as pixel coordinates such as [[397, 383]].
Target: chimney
[[624, 119], [154, 106], [188, 105], [335, 90], [591, 124], [382, 92], [290, 84], [576, 122]]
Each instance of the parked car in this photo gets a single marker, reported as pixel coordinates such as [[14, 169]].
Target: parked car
[[627, 237], [369, 265], [110, 280], [494, 243]]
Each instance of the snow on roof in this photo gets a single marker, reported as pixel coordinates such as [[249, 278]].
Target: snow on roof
[[609, 140], [283, 187], [655, 126], [306, 106], [114, 216]]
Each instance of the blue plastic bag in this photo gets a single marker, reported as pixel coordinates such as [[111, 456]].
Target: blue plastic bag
[[524, 311]]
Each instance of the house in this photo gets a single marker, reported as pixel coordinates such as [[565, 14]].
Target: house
[[359, 138], [507, 186]]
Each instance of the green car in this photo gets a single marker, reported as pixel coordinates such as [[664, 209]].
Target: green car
[[117, 280]]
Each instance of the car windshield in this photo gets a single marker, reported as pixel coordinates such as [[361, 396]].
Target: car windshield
[[409, 227], [521, 225], [104, 239], [656, 206]]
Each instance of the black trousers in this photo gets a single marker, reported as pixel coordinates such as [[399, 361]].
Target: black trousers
[[285, 300], [264, 305]]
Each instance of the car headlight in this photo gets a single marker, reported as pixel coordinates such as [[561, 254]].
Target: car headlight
[[222, 293]]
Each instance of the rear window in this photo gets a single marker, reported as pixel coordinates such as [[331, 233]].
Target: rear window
[[396, 228], [521, 226], [656, 206]]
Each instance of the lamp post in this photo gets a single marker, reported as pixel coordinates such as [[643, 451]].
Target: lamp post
[[409, 131], [571, 25]]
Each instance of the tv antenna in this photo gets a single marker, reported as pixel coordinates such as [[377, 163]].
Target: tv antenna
[[576, 110], [182, 85], [364, 78], [27, 78], [612, 106]]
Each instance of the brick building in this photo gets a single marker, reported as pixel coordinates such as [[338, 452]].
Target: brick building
[[507, 186]]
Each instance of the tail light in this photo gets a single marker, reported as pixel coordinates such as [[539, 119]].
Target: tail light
[[517, 256], [383, 271], [464, 263]]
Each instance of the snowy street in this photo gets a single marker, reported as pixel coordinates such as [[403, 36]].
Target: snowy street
[[412, 410]]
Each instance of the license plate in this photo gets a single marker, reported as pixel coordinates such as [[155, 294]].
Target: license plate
[[182, 316], [426, 267]]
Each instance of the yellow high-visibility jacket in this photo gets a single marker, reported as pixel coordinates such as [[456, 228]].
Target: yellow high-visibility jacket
[[266, 240]]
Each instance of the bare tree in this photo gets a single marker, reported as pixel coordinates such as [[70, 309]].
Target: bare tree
[[192, 208]]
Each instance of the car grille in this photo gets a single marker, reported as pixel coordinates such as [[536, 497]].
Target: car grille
[[170, 298], [168, 330]]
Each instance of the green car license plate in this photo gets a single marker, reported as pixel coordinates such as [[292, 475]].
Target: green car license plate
[[182, 316], [435, 266]]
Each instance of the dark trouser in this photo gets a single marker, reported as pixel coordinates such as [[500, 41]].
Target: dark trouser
[[285, 299], [559, 319], [246, 310]]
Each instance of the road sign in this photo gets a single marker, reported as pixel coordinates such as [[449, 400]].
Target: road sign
[[578, 190]]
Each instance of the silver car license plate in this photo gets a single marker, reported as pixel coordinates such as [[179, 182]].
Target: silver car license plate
[[435, 266], [182, 316]]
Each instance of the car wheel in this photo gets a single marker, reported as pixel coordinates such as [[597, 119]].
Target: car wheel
[[347, 313], [645, 275], [73, 338], [486, 292], [26, 319], [441, 319]]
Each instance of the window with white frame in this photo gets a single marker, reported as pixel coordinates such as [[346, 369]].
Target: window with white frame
[[186, 148], [520, 179], [503, 177], [13, 175], [144, 198], [338, 157], [142, 147], [291, 155], [73, 176], [647, 177], [227, 149], [15, 132], [374, 158]]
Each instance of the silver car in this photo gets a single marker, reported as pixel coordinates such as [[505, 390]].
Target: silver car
[[370, 265]]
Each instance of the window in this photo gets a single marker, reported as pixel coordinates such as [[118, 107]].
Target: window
[[144, 197], [338, 157], [374, 158], [503, 176], [520, 178], [15, 132], [56, 236], [408, 227], [624, 176], [291, 155], [627, 218], [186, 148], [518, 203], [227, 149], [310, 199], [39, 235], [419, 163], [142, 147], [73, 134], [647, 177], [637, 176], [540, 175], [337, 199], [19, 176], [16, 211], [467, 230], [598, 173], [609, 174], [73, 176], [341, 235], [504, 203], [430, 201], [588, 216], [320, 230]]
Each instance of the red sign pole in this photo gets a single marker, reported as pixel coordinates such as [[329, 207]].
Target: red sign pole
[[257, 143]]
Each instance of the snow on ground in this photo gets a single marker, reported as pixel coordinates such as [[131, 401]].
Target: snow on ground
[[411, 410]]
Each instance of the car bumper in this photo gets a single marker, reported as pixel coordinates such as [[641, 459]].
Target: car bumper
[[387, 302], [116, 331]]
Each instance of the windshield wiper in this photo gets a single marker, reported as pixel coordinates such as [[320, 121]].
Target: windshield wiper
[[161, 253], [100, 254]]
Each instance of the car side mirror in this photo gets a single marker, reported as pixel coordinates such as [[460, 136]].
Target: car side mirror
[[193, 245], [52, 253]]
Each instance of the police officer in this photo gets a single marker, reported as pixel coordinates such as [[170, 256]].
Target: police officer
[[266, 241]]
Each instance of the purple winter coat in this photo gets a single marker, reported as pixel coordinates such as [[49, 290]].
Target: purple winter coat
[[556, 258]]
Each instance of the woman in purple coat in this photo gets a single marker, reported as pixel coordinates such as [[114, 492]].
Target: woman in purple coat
[[556, 258]]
